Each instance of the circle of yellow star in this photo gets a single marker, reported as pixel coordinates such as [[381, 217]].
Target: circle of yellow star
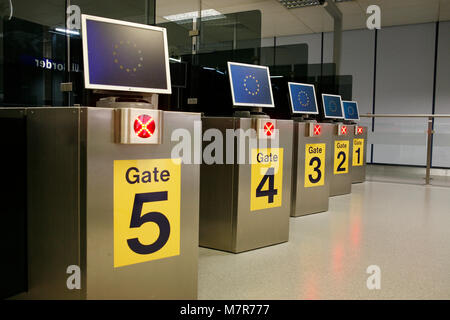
[[251, 79], [301, 94], [126, 46]]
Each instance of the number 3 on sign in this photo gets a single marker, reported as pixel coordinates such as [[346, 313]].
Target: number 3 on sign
[[146, 210], [267, 178], [315, 165]]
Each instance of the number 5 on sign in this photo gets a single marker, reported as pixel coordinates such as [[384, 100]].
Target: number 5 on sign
[[341, 149], [146, 210], [358, 151], [267, 178], [315, 165]]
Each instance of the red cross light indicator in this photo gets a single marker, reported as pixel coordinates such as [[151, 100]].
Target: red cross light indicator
[[269, 129], [343, 130], [359, 130], [144, 126], [317, 130]]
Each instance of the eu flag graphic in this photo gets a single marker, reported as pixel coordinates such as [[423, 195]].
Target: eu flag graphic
[[250, 84], [121, 55], [303, 98], [350, 110], [332, 105]]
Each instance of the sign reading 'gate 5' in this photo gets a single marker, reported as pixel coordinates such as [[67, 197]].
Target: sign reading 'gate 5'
[[267, 178], [146, 210]]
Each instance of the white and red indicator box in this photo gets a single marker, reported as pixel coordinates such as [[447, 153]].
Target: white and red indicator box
[[342, 130], [140, 126], [266, 128], [359, 130], [314, 129]]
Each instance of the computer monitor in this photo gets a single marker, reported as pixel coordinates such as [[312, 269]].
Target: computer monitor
[[351, 111], [125, 56], [250, 85], [332, 106], [303, 98]]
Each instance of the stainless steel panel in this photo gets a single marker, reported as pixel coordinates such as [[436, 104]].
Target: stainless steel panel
[[315, 199], [53, 201], [71, 209], [341, 183], [169, 278], [359, 172], [217, 194], [226, 222]]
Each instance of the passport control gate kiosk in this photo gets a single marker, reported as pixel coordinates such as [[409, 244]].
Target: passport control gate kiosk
[[341, 179], [312, 154], [358, 138], [246, 205], [106, 199]]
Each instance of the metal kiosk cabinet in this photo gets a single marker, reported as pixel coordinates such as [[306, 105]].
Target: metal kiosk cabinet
[[244, 206], [359, 153], [341, 181], [311, 167], [125, 214]]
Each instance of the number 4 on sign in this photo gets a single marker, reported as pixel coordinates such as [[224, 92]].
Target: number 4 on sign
[[271, 191]]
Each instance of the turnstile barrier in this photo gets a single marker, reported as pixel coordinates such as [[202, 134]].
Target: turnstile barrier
[[311, 167], [246, 206], [124, 215]]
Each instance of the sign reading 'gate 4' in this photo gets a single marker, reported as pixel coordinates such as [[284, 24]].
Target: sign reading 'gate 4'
[[146, 210], [267, 178]]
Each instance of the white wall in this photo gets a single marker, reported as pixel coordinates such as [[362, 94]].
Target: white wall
[[404, 84], [441, 143]]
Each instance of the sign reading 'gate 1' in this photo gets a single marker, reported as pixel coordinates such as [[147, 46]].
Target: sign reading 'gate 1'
[[358, 152], [146, 210], [267, 178]]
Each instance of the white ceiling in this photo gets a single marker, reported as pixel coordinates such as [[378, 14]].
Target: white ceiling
[[279, 21]]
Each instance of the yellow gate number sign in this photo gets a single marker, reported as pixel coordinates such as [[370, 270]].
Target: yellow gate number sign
[[358, 152], [267, 178], [341, 149], [146, 210], [315, 165]]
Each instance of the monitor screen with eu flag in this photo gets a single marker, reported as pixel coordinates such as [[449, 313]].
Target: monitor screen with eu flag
[[125, 56], [351, 111], [332, 106], [303, 98], [250, 85]]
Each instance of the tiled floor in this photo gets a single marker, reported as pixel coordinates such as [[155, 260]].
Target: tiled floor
[[402, 228]]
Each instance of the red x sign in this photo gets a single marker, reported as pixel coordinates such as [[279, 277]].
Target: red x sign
[[316, 130], [343, 130], [359, 130], [269, 128], [144, 126]]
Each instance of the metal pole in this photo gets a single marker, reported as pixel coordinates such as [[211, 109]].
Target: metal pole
[[429, 134]]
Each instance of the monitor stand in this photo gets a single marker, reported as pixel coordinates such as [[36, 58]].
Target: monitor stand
[[302, 118], [125, 101], [252, 113]]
